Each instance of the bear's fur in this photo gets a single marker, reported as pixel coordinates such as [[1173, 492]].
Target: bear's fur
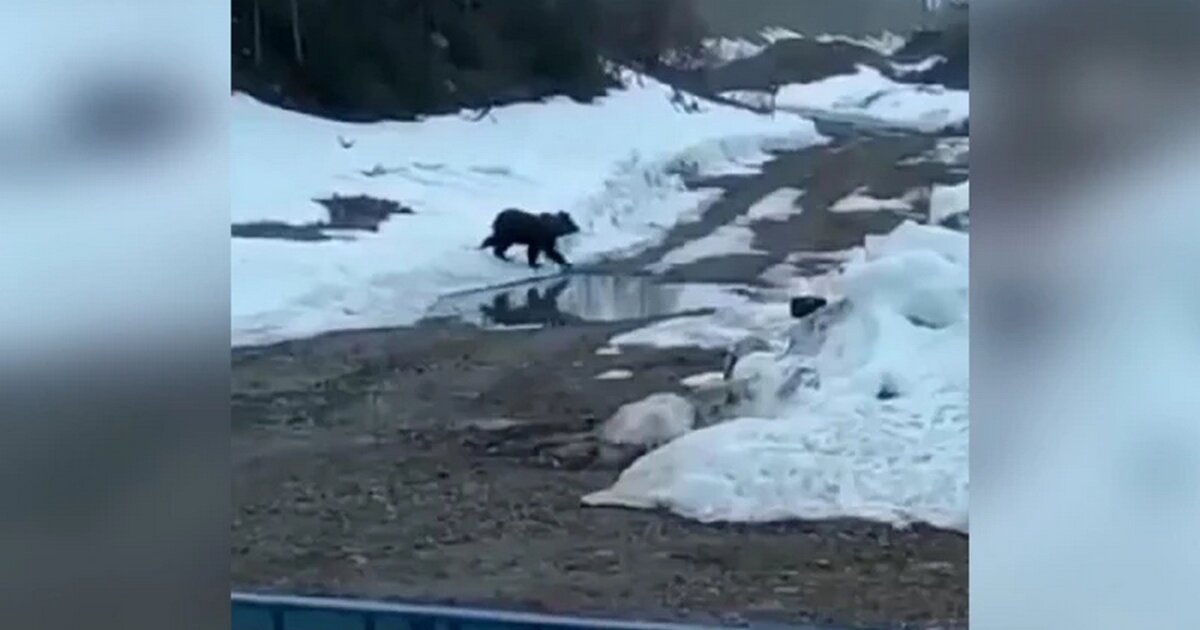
[[538, 232]]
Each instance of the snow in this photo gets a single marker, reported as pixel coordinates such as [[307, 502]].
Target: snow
[[917, 66], [652, 421], [947, 201], [865, 417], [614, 375], [724, 241], [724, 328], [886, 43], [954, 151], [616, 165], [779, 205], [716, 52], [869, 93], [859, 201], [703, 380], [869, 97], [607, 351]]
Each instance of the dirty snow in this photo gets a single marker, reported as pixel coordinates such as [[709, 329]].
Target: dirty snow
[[880, 433], [625, 190]]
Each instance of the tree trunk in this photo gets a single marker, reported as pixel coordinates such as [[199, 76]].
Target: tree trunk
[[257, 35], [299, 50]]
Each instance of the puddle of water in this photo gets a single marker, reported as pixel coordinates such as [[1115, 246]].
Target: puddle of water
[[581, 298]]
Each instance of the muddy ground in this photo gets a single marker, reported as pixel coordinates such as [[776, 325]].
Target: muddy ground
[[372, 463]]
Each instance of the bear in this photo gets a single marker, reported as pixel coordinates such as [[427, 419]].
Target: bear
[[538, 232]]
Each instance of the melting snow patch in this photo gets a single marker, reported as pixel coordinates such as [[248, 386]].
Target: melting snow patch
[[886, 43], [953, 151], [861, 202], [779, 205], [724, 328], [947, 201], [608, 351], [725, 240], [919, 66], [652, 421], [868, 416], [703, 380], [614, 375]]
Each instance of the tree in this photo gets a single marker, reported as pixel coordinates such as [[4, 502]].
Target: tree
[[299, 50], [258, 48]]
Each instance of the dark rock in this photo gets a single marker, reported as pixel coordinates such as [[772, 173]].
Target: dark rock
[[574, 455], [806, 305]]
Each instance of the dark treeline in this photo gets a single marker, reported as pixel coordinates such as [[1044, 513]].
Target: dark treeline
[[396, 59]]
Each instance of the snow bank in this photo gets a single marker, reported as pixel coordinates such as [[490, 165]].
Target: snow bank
[[878, 429], [617, 165], [947, 201], [652, 421], [870, 94], [869, 97]]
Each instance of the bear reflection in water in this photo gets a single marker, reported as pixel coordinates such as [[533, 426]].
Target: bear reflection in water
[[540, 308]]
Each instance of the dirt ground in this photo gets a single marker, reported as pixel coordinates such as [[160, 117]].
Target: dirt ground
[[415, 502], [446, 463]]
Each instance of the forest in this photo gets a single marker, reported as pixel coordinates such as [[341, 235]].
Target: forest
[[367, 60]]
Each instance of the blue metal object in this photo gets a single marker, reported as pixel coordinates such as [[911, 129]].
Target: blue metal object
[[285, 612]]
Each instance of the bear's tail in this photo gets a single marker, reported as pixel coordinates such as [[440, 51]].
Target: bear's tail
[[487, 242]]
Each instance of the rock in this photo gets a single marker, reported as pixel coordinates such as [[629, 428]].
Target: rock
[[650, 422], [573, 456], [806, 305], [617, 456]]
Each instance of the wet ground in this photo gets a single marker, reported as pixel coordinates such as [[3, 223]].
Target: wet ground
[[446, 461]]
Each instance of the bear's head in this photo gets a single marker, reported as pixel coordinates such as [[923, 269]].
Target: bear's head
[[565, 224]]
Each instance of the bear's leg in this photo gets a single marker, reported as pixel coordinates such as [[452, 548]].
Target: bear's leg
[[553, 254], [534, 251], [500, 249]]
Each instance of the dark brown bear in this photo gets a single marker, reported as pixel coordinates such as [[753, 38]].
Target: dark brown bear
[[538, 232]]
